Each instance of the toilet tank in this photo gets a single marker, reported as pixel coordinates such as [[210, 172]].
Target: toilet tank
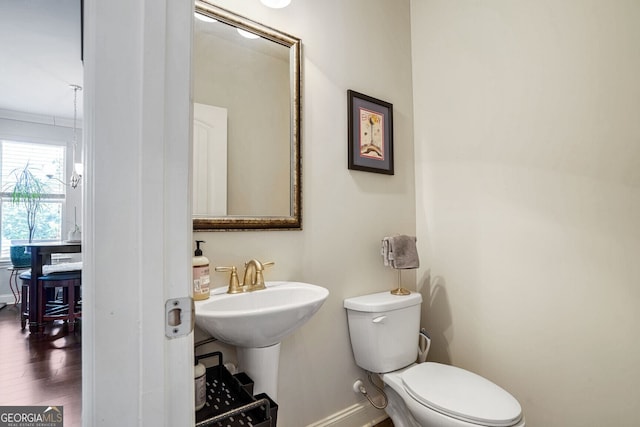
[[384, 330]]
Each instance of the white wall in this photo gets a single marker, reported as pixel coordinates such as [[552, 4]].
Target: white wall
[[527, 174], [362, 45]]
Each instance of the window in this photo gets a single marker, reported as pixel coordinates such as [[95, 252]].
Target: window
[[46, 162]]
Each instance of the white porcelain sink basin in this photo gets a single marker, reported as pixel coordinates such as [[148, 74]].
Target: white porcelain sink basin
[[259, 318]]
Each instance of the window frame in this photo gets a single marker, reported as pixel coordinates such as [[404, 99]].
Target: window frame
[[54, 197]]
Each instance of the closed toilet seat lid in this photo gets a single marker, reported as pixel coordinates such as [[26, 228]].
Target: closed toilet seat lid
[[461, 394]]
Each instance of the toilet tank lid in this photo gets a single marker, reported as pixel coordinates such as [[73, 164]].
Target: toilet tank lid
[[382, 301]]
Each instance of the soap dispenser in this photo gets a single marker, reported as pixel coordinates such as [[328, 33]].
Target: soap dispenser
[[200, 274], [199, 372]]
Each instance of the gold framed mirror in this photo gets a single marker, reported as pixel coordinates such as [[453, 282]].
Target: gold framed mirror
[[246, 95]]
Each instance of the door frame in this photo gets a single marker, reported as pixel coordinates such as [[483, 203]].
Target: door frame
[[137, 227]]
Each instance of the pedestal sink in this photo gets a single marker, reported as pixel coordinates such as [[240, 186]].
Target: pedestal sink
[[256, 322]]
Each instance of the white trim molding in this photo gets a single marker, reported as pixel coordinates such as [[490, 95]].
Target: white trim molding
[[360, 414]]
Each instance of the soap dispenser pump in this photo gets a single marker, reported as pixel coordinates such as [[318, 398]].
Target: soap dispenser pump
[[201, 278]]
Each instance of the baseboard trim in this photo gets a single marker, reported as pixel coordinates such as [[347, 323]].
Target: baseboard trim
[[360, 414], [8, 298]]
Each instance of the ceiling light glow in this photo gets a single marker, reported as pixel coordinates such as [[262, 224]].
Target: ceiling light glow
[[276, 4], [247, 34], [204, 18]]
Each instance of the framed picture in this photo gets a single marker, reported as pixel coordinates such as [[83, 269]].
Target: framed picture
[[370, 134]]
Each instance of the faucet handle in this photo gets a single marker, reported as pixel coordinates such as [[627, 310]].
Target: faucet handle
[[234, 283], [268, 264]]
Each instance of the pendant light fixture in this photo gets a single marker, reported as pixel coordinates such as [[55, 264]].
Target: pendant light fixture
[[76, 174]]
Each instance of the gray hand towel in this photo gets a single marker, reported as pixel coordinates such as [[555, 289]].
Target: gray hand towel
[[403, 253]]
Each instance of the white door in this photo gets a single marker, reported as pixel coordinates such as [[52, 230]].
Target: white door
[[137, 228], [209, 160]]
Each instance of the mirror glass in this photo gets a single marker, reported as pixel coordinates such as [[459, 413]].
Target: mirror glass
[[246, 143]]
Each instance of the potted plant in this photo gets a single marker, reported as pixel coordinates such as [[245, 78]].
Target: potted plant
[[27, 191]]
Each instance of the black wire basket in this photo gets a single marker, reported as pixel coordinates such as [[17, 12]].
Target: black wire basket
[[230, 400]]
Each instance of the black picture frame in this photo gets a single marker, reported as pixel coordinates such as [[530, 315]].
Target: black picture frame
[[370, 137]]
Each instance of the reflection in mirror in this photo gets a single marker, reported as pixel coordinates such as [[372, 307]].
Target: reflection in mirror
[[209, 160], [246, 141]]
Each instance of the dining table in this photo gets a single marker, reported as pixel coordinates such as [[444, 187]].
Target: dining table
[[41, 255]]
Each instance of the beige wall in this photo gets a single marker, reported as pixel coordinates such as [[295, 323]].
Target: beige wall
[[527, 173], [362, 45]]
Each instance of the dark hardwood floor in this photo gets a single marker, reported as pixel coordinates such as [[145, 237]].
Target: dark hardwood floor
[[44, 370]]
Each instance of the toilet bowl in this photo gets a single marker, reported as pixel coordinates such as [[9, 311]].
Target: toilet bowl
[[384, 337]]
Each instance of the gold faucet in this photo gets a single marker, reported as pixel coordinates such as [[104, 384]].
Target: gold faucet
[[253, 277]]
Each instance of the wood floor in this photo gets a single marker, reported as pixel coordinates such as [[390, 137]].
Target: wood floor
[[41, 371]]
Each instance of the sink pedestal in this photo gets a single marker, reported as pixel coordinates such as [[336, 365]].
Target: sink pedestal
[[261, 364]]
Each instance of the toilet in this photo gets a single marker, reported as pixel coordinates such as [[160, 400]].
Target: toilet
[[384, 336]]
